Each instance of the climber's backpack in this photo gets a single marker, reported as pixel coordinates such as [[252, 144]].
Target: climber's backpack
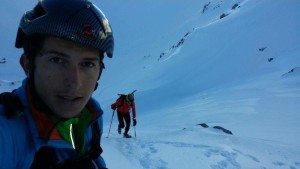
[[11, 104], [122, 97]]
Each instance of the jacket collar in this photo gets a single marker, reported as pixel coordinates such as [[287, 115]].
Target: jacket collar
[[45, 127]]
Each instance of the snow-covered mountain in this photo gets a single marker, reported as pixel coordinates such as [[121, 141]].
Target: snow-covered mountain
[[229, 64]]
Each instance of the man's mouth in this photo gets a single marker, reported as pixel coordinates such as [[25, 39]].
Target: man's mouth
[[70, 98]]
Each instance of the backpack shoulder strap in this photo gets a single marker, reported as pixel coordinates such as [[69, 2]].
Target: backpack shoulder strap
[[95, 149], [122, 97], [46, 157], [11, 104]]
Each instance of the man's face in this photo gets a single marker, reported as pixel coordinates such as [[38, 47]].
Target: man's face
[[65, 75]]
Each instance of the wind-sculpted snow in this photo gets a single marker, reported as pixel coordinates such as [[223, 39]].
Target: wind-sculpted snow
[[210, 149]]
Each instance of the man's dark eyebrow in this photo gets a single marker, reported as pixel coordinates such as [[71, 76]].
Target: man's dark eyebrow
[[92, 59], [54, 52], [65, 55]]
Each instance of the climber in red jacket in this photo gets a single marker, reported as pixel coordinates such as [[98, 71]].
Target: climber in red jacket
[[123, 105]]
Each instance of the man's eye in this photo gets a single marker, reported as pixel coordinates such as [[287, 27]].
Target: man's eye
[[56, 60], [88, 64]]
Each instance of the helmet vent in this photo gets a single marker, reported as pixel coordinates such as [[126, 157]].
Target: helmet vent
[[38, 11]]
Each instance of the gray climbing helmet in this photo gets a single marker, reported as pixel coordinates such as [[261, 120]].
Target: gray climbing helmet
[[79, 21]]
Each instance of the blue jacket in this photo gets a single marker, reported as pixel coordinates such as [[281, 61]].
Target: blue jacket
[[20, 137]]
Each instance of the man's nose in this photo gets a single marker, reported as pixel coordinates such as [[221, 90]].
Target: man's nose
[[73, 77]]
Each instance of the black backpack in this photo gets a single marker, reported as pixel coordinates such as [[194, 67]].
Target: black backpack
[[11, 104], [122, 97]]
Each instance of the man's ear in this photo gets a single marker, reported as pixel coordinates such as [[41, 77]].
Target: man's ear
[[24, 61]]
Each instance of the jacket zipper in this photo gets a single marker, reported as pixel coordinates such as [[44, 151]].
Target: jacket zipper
[[71, 136]]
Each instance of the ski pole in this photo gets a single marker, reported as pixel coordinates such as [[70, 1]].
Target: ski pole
[[111, 123], [134, 132]]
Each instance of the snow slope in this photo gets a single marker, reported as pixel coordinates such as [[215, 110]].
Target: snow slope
[[241, 72]]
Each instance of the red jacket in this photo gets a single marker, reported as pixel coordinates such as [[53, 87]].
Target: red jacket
[[124, 107]]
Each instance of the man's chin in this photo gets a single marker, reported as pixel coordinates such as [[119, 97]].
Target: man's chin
[[67, 114]]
